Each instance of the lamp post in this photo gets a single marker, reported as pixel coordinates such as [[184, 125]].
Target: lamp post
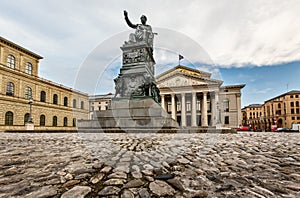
[[30, 110], [29, 124]]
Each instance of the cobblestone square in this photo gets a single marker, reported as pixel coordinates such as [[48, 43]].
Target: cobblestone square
[[149, 165]]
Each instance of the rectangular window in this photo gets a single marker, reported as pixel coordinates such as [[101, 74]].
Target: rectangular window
[[293, 118], [198, 105], [226, 120], [208, 106], [297, 111], [188, 106], [292, 104], [292, 111], [169, 106], [178, 106]]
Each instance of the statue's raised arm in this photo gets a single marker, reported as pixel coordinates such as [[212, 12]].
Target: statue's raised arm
[[128, 21], [143, 32]]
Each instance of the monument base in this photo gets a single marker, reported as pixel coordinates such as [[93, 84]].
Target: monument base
[[131, 113], [29, 126]]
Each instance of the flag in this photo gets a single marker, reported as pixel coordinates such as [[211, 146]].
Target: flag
[[180, 57]]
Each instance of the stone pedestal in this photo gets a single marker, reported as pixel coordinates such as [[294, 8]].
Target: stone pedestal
[[29, 126], [135, 113]]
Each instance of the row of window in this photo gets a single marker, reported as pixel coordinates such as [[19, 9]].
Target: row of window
[[11, 63], [9, 120], [10, 87], [198, 106]]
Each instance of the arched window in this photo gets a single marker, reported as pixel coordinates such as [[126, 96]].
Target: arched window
[[74, 103], [54, 121], [226, 105], [55, 99], [11, 61], [26, 118], [65, 121], [297, 103], [82, 105], [66, 101], [28, 93], [43, 96], [10, 89], [74, 122], [9, 118], [279, 105], [28, 68], [42, 120]]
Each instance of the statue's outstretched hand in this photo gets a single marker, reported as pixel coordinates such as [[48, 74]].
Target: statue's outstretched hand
[[125, 13]]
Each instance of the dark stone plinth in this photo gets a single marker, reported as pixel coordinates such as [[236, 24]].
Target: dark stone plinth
[[133, 113]]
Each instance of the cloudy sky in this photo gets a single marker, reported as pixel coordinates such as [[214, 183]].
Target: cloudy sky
[[252, 42]]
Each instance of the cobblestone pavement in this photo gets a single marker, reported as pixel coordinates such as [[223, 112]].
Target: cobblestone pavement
[[150, 165]]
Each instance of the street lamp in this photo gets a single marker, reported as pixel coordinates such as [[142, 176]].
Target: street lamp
[[30, 110]]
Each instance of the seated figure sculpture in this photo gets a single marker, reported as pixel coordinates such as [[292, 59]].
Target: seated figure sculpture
[[143, 32]]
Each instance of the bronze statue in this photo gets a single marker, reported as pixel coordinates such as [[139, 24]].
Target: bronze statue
[[143, 32]]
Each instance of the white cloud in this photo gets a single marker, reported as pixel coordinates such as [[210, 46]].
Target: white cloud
[[224, 33]]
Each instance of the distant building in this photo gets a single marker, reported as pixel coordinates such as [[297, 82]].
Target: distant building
[[54, 107], [194, 99], [281, 111], [252, 116], [99, 103]]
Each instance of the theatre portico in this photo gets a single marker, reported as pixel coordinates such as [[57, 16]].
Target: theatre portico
[[206, 101]]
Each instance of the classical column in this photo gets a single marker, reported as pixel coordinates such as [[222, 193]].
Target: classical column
[[239, 110], [213, 111], [173, 108], [218, 110], [183, 110], [194, 110], [204, 110], [163, 102]]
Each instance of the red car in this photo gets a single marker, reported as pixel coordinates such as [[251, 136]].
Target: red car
[[243, 128]]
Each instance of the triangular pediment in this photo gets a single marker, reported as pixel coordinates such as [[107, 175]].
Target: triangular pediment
[[184, 76], [179, 80]]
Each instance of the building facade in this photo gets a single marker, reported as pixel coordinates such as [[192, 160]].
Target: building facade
[[54, 106], [194, 99], [99, 103], [279, 112], [252, 116]]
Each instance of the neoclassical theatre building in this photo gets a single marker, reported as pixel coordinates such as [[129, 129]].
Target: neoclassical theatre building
[[54, 106], [194, 99]]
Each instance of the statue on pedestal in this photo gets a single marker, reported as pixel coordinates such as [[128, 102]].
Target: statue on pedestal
[[143, 32]]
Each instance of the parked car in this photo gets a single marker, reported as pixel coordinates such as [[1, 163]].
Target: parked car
[[243, 128], [286, 130]]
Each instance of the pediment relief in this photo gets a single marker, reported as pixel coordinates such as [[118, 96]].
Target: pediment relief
[[179, 81]]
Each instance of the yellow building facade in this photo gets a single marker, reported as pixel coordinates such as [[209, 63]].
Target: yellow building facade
[[279, 112], [54, 106]]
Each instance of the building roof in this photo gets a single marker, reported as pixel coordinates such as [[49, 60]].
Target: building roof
[[18, 47], [101, 96], [253, 106], [185, 69], [284, 94], [233, 86]]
